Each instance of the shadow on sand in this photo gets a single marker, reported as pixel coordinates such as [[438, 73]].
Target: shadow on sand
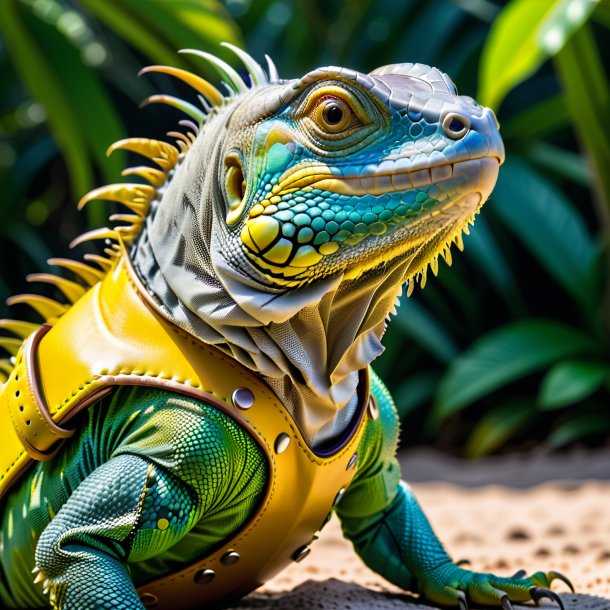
[[336, 594]]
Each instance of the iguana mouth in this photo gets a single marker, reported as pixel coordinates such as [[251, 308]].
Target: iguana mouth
[[391, 175], [461, 187]]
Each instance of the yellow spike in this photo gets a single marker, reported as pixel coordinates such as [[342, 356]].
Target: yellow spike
[[434, 265], [196, 82], [88, 274], [411, 287], [136, 197], [10, 345], [459, 242], [182, 146], [154, 176], [170, 100], [70, 289], [112, 251], [179, 136], [47, 308], [40, 577], [447, 256], [132, 218], [103, 262], [422, 278], [163, 154], [128, 233], [103, 233], [466, 230], [19, 328]]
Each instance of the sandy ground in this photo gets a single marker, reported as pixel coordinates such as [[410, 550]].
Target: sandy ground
[[535, 512]]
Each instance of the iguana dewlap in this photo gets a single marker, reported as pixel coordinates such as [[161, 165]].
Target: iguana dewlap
[[185, 427]]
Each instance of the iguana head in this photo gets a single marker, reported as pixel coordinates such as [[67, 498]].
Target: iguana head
[[285, 220], [340, 172]]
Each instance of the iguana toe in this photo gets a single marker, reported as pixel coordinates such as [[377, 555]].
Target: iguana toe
[[462, 601], [506, 605], [552, 575], [463, 587], [538, 593]]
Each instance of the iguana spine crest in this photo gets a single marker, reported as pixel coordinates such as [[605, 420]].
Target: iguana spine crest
[[136, 197]]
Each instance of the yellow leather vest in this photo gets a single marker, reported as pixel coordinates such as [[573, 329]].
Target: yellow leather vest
[[114, 335]]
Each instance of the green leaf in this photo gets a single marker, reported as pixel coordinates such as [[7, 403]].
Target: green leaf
[[37, 74], [523, 36], [561, 162], [134, 30], [30, 243], [572, 381], [159, 28], [537, 120], [189, 23], [88, 102], [417, 323], [415, 392], [497, 427], [505, 355], [480, 246], [579, 427], [587, 92], [549, 226]]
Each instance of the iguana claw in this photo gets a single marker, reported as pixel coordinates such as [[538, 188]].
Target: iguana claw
[[538, 593], [519, 574], [506, 605], [559, 576], [462, 603]]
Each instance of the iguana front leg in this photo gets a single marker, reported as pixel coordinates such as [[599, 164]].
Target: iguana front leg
[[81, 554], [381, 516], [174, 462]]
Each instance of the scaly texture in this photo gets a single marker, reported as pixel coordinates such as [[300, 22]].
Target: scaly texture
[[281, 228], [177, 476]]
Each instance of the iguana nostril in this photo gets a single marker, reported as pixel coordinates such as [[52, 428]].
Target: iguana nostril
[[456, 126]]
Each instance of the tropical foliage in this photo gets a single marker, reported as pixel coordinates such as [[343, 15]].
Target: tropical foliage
[[511, 345]]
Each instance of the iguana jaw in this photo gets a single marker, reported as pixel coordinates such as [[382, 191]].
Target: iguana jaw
[[415, 238]]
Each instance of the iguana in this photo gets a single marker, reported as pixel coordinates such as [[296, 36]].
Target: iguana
[[186, 424]]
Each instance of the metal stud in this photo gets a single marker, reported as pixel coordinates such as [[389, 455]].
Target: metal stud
[[352, 461], [229, 558], [203, 577], [149, 600], [338, 496], [242, 398], [281, 443], [301, 553]]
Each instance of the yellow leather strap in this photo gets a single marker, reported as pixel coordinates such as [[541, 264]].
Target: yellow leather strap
[[27, 410]]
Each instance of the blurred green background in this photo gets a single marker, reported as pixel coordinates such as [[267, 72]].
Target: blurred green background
[[507, 350]]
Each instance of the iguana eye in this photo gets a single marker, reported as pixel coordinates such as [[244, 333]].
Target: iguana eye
[[333, 115]]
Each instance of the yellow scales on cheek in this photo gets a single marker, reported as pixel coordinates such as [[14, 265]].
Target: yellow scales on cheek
[[261, 232]]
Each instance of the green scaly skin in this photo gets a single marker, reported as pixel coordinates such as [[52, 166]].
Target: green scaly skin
[[291, 198], [160, 457]]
